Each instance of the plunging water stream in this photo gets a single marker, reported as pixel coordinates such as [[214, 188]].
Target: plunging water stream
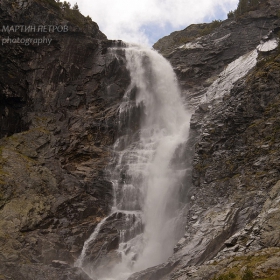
[[153, 126]]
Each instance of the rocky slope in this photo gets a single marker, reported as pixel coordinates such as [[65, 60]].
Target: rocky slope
[[200, 52], [58, 105], [232, 223]]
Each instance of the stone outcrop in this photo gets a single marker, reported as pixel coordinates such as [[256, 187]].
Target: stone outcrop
[[200, 52], [58, 107]]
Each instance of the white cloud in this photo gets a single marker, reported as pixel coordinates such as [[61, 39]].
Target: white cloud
[[130, 20]]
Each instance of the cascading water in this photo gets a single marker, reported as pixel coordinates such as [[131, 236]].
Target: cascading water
[[153, 126]]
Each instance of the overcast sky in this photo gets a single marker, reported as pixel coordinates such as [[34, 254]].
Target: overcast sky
[[146, 21]]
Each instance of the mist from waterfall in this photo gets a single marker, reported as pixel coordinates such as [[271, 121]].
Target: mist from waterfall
[[153, 128]]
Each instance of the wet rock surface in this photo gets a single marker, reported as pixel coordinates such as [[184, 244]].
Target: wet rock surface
[[231, 218], [234, 171], [232, 221], [58, 107]]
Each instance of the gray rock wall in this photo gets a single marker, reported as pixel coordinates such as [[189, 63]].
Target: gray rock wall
[[231, 218], [58, 107]]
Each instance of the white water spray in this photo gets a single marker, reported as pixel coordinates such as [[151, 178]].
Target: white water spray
[[79, 261], [145, 178]]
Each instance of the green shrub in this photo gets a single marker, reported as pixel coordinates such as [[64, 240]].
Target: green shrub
[[210, 27], [247, 275], [76, 7], [227, 276], [230, 14], [74, 16], [244, 6], [66, 5], [54, 3]]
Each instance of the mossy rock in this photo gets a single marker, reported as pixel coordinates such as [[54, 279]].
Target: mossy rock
[[261, 265]]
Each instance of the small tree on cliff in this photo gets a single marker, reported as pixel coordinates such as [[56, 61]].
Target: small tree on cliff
[[245, 6], [76, 7], [242, 7], [66, 5]]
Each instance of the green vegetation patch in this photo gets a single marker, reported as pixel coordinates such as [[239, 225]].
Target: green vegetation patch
[[74, 16], [210, 27], [3, 174], [227, 276], [249, 267], [202, 30], [71, 14], [54, 4], [245, 6]]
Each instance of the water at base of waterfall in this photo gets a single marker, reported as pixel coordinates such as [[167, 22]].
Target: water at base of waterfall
[[153, 126]]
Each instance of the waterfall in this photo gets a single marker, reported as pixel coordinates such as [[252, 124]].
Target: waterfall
[[153, 128], [79, 261]]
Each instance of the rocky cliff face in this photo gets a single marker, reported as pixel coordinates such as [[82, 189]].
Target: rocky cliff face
[[232, 228], [200, 52], [58, 105]]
